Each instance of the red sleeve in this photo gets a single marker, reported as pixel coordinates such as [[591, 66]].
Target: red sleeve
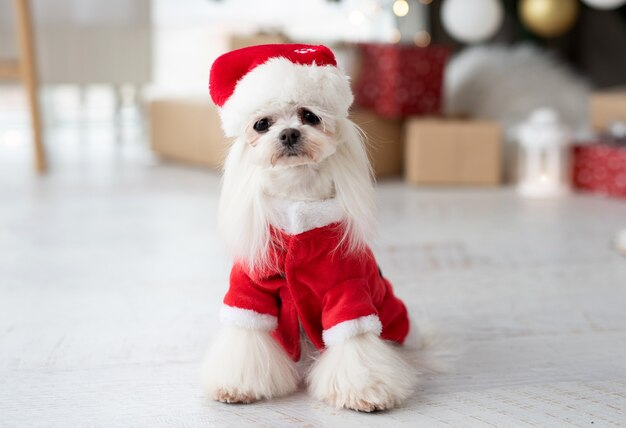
[[347, 301], [248, 304]]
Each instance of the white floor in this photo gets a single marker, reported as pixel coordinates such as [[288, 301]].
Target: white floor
[[111, 276]]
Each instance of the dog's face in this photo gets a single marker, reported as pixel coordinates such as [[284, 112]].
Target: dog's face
[[290, 136]]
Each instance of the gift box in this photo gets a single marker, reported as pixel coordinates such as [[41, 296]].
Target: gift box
[[188, 130], [606, 108], [399, 81], [384, 142], [600, 168], [239, 41], [453, 152]]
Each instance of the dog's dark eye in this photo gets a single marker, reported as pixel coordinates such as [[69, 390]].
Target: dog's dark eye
[[309, 117], [262, 125]]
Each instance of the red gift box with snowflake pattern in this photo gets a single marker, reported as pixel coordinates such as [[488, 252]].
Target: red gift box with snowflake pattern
[[400, 80], [600, 168]]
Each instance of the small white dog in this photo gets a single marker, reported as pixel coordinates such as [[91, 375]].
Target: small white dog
[[296, 210]]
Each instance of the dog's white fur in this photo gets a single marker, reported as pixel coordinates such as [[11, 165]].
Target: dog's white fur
[[363, 373], [247, 365], [244, 210], [279, 82], [360, 372]]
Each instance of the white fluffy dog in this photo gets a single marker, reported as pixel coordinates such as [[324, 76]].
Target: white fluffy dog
[[297, 210]]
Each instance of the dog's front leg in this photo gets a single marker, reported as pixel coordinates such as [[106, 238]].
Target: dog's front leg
[[245, 365], [362, 373]]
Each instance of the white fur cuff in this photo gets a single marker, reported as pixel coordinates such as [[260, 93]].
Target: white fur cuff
[[347, 329], [245, 318]]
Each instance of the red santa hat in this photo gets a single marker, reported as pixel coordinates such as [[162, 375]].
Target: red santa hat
[[246, 81]]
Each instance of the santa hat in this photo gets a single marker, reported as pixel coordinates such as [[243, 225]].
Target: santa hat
[[246, 81]]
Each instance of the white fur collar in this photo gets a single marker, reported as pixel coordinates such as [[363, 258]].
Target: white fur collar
[[295, 217]]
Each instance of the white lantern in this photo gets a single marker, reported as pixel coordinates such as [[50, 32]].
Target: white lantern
[[472, 21], [605, 4], [543, 158]]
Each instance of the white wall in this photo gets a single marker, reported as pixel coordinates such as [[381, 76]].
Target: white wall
[[86, 41], [190, 34]]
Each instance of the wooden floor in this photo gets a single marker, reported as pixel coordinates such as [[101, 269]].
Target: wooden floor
[[111, 276]]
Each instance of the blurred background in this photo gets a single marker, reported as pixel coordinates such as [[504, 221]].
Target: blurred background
[[135, 73], [497, 133]]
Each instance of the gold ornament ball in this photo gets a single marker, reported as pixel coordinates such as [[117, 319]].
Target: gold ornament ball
[[548, 18]]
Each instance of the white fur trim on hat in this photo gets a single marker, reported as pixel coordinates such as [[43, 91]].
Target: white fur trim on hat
[[246, 318], [280, 82], [347, 329]]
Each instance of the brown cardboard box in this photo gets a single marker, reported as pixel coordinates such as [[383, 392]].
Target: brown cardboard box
[[452, 151], [383, 140], [606, 108], [242, 41], [187, 130]]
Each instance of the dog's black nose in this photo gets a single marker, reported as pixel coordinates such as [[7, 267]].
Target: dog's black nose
[[289, 137]]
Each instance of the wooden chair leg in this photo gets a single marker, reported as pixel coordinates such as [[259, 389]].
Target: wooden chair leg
[[28, 74]]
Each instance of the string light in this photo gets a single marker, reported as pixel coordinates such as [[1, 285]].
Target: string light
[[396, 36], [422, 39], [400, 7]]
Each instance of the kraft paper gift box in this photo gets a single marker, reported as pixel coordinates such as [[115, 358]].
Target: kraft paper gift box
[[606, 108], [242, 41], [452, 152], [187, 130], [384, 142]]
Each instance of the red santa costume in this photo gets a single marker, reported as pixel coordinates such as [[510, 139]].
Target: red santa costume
[[314, 283]]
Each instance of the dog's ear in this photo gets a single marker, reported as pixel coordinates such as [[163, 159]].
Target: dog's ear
[[243, 217], [354, 185]]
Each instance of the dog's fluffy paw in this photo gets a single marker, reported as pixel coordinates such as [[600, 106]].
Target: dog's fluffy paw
[[372, 398], [245, 366], [233, 396], [363, 373]]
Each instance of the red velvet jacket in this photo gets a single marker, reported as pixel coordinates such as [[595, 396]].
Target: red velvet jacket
[[331, 294]]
